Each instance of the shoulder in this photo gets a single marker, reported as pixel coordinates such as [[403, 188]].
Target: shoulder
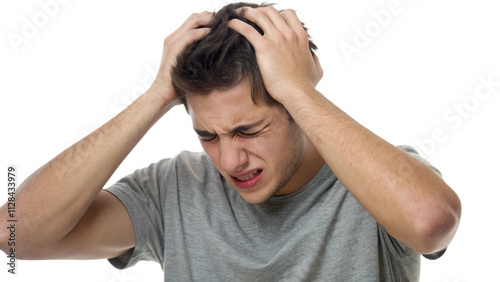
[[188, 157], [192, 163], [187, 168], [184, 160], [183, 167]]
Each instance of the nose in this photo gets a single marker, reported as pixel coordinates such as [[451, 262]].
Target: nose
[[233, 158]]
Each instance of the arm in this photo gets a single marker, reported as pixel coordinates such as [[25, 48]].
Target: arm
[[405, 196], [62, 211]]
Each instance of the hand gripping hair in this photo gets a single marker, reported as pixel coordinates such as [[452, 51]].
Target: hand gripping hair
[[221, 59]]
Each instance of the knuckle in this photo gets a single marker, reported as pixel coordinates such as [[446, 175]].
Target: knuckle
[[200, 18], [302, 35], [192, 33], [169, 39], [302, 32], [291, 35], [288, 12], [281, 39], [194, 17], [166, 41], [269, 9], [266, 45], [257, 12]]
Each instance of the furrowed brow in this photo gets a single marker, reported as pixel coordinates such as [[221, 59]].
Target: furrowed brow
[[247, 126]]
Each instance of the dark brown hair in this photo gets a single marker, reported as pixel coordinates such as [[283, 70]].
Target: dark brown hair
[[221, 59]]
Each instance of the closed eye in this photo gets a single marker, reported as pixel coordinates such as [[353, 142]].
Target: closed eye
[[205, 136], [244, 134], [205, 139]]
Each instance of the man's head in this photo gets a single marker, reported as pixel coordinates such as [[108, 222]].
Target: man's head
[[249, 137], [221, 59]]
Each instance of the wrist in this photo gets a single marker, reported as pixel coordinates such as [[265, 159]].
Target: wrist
[[164, 97], [298, 97]]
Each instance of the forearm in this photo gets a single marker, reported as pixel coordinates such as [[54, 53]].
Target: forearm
[[51, 201], [404, 195]]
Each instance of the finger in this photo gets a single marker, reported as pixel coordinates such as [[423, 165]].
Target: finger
[[276, 18], [190, 37], [267, 18], [248, 31], [194, 35], [317, 62], [198, 20], [290, 16], [292, 20], [318, 66], [194, 21]]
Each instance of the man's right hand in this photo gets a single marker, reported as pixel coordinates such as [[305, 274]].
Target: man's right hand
[[193, 29], [61, 208]]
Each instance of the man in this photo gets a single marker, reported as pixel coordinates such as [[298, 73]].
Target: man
[[290, 188]]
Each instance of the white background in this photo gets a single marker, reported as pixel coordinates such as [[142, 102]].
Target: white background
[[85, 60]]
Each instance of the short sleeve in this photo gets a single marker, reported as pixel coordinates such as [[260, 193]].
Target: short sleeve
[[395, 247], [402, 261], [412, 152], [144, 199]]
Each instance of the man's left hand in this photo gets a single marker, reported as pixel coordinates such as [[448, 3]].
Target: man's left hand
[[283, 54]]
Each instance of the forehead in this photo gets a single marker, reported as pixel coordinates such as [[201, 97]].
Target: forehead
[[225, 109]]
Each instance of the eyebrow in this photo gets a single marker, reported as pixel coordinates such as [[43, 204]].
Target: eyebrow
[[246, 127]]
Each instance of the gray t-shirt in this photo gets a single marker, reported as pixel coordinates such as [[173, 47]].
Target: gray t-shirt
[[197, 227]]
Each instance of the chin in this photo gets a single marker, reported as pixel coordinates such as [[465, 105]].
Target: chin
[[255, 197]]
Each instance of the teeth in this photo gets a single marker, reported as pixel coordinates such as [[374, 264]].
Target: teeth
[[248, 177]]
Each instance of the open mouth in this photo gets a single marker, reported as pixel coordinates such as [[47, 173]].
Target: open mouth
[[248, 180], [248, 176]]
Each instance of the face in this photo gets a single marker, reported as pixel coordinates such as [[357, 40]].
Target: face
[[256, 147]]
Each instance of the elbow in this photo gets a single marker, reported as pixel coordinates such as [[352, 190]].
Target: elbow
[[4, 233], [16, 245], [8, 246], [9, 241], [436, 228], [4, 239], [11, 246]]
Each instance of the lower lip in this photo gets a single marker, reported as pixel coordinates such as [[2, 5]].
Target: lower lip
[[250, 183]]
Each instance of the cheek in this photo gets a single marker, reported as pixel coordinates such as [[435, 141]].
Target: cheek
[[267, 146]]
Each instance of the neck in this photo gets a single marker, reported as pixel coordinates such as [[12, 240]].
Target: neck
[[310, 165]]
